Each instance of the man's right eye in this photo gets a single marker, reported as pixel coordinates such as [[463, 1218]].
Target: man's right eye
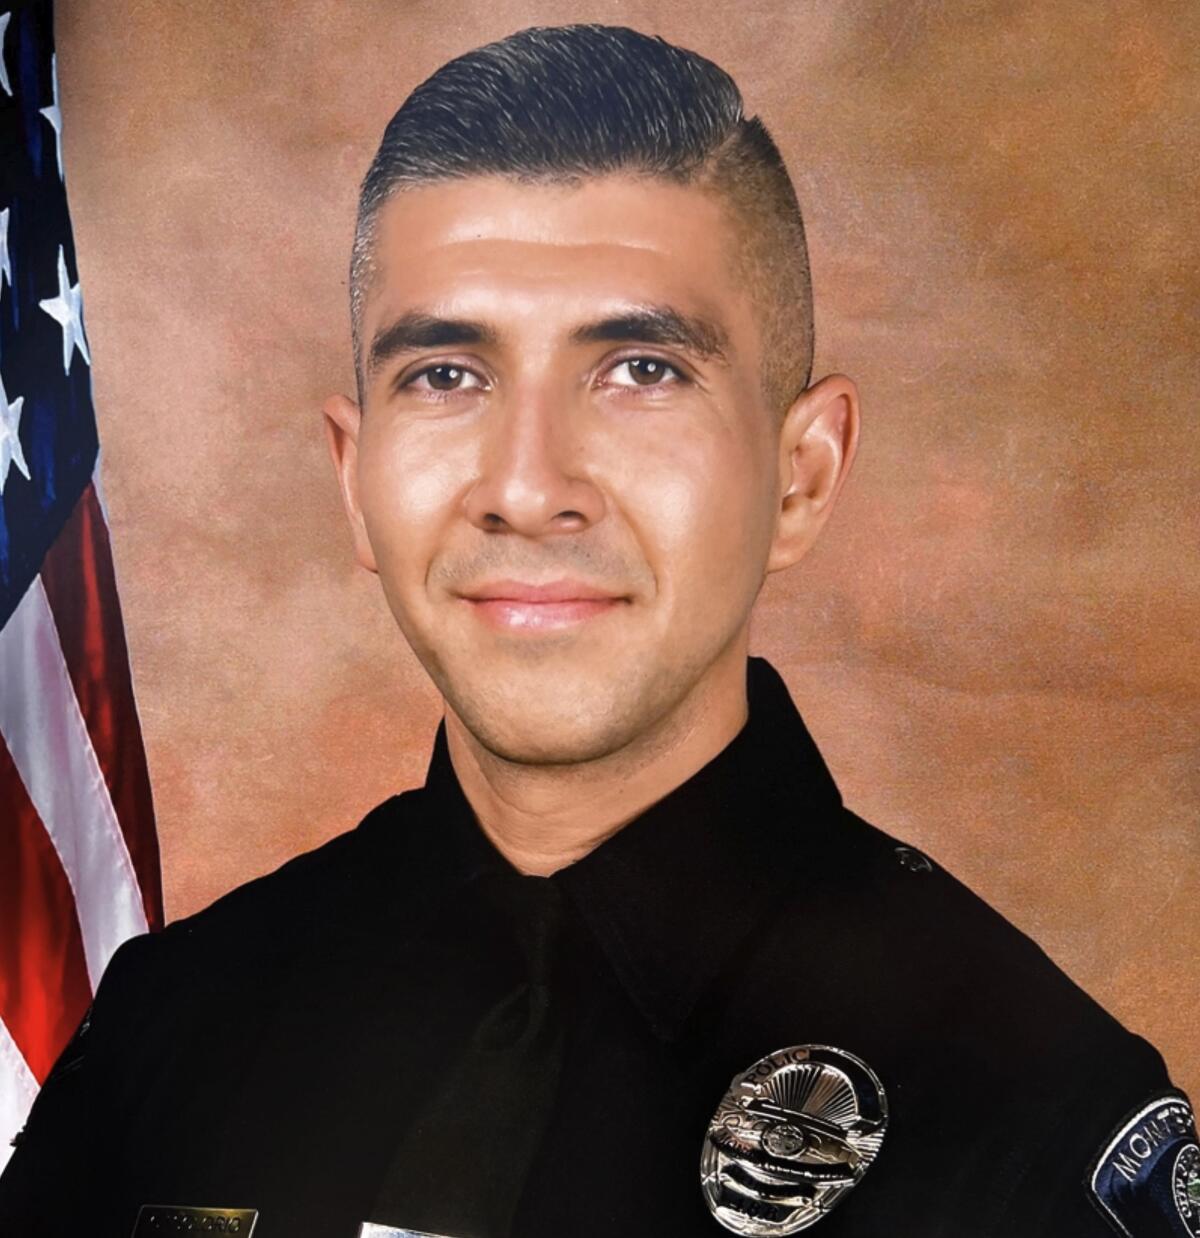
[[444, 377]]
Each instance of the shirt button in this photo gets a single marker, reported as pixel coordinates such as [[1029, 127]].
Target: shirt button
[[913, 860]]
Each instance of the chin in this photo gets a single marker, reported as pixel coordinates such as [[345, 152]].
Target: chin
[[543, 735], [547, 750], [556, 718]]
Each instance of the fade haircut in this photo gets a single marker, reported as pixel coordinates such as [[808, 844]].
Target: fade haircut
[[556, 104]]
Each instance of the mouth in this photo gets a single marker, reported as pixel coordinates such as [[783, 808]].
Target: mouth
[[517, 606]]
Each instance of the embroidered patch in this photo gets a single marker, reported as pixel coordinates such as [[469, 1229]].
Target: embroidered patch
[[1146, 1181], [176, 1219]]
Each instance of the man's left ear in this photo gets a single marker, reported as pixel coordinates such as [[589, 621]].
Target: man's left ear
[[817, 443]]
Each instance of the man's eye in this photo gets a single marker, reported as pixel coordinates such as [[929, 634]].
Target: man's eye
[[444, 377], [644, 372]]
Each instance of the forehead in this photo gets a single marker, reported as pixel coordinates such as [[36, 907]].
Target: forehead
[[491, 246]]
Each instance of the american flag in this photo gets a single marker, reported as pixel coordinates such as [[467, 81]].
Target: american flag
[[79, 868]]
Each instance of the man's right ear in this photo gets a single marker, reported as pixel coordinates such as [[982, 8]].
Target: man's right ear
[[342, 419]]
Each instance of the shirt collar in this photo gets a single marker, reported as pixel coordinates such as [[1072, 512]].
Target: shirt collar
[[673, 895]]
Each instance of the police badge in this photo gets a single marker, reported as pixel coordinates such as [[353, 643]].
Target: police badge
[[792, 1136]]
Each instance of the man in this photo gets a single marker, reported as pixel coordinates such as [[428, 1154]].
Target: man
[[625, 965]]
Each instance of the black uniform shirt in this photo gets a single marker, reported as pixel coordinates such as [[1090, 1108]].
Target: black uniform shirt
[[400, 1028]]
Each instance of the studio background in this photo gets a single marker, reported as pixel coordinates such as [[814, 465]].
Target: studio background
[[995, 642]]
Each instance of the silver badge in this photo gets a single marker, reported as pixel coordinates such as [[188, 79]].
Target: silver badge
[[790, 1139]]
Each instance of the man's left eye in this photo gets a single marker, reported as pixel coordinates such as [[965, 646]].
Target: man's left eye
[[643, 372]]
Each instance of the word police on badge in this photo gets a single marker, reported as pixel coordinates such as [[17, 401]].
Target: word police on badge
[[792, 1136]]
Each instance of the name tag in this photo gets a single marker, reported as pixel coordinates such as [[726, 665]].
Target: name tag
[[158, 1219], [368, 1229]]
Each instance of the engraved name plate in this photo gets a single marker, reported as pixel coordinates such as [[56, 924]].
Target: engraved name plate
[[160, 1219]]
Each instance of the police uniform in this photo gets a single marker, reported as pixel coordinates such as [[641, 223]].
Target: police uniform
[[398, 1028]]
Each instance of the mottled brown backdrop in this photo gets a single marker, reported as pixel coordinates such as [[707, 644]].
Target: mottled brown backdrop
[[996, 643]]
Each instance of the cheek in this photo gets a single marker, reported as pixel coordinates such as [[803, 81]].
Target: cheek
[[409, 479], [699, 509]]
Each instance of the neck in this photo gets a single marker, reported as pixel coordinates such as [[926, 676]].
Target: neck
[[543, 817]]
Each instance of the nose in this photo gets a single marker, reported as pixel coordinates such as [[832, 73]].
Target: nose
[[533, 470]]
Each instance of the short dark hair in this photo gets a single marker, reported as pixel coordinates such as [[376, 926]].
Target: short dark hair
[[560, 103]]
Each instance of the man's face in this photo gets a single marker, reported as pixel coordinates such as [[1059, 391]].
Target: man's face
[[562, 389]]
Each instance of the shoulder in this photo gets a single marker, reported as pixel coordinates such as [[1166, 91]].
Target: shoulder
[[240, 946], [262, 914], [930, 922], [945, 956], [1001, 1061], [298, 887]]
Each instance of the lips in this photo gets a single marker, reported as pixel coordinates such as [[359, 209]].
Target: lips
[[554, 591], [513, 605]]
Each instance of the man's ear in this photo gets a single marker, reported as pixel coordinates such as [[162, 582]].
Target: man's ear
[[342, 420], [817, 443]]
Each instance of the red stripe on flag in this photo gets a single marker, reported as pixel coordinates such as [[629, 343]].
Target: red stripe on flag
[[81, 587], [44, 986]]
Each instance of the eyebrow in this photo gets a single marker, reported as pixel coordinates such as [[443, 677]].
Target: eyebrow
[[658, 324], [647, 324], [416, 330]]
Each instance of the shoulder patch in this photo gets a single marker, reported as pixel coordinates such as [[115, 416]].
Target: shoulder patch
[[1146, 1180]]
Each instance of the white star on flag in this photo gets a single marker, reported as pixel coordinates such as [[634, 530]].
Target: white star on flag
[[5, 260], [67, 310], [3, 68], [53, 114], [10, 443]]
